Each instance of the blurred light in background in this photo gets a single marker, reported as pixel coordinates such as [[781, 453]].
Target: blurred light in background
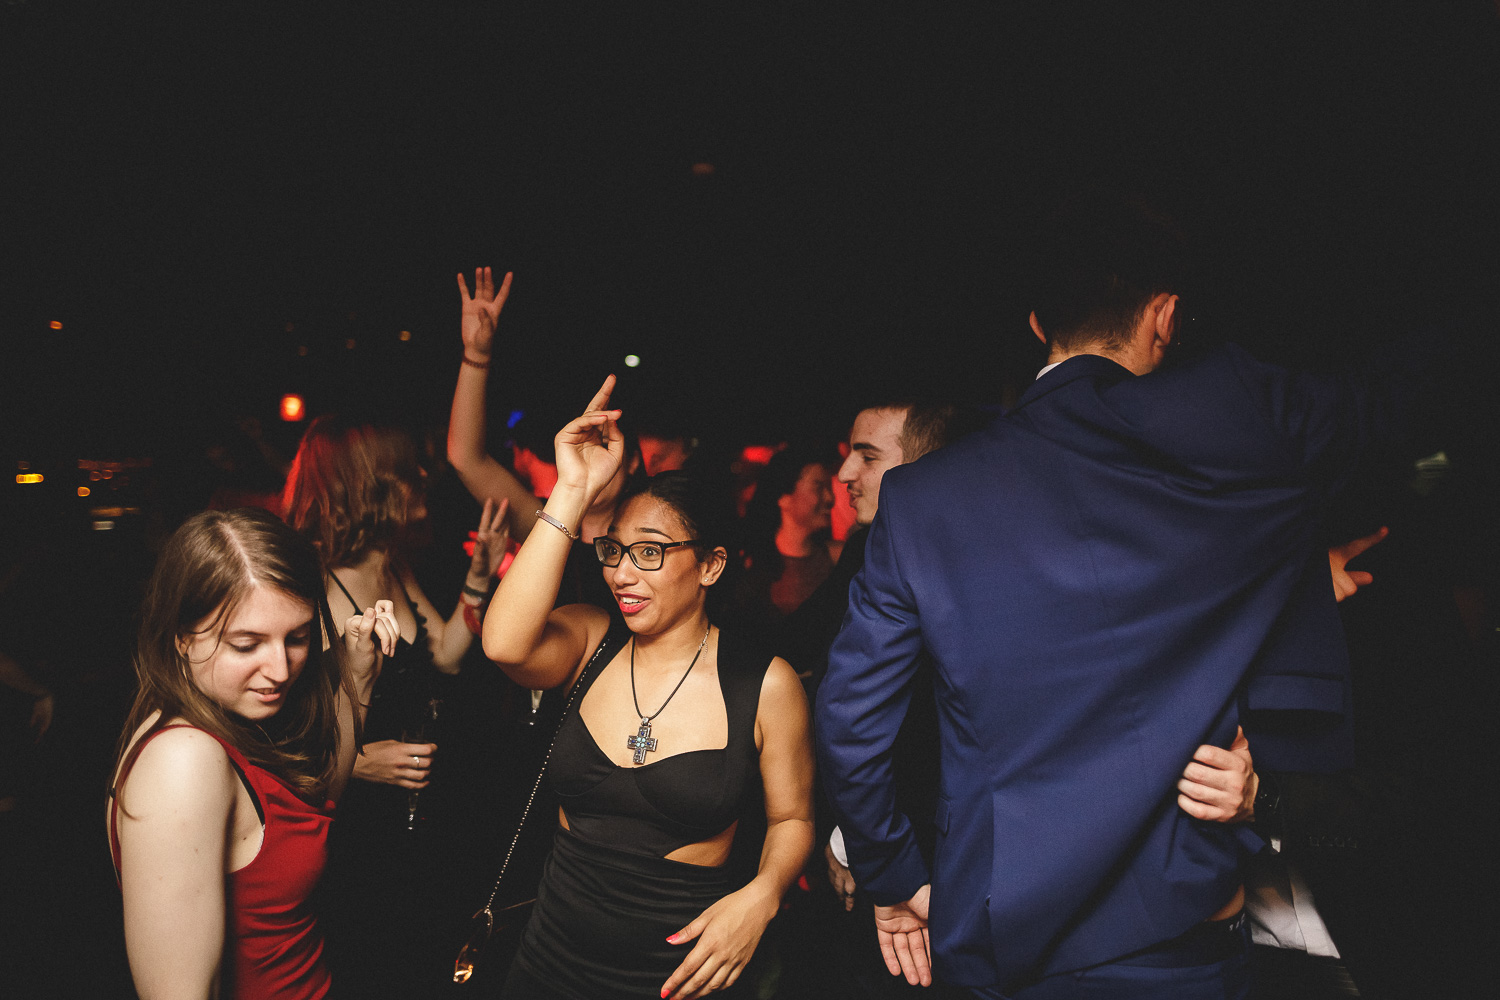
[[404, 336], [56, 324], [84, 491], [516, 416], [349, 344], [27, 478], [703, 169], [758, 454], [292, 407], [632, 361]]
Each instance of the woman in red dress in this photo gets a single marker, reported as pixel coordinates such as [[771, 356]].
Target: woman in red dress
[[241, 738]]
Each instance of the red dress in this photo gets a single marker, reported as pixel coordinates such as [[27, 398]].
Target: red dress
[[273, 947]]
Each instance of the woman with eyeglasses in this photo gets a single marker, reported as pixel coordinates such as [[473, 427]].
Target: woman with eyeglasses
[[674, 725]]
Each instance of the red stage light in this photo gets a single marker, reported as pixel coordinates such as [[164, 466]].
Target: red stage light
[[292, 407]]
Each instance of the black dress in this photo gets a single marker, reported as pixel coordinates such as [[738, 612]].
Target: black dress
[[381, 895], [609, 897]]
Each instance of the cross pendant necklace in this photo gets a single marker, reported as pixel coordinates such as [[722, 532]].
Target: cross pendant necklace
[[643, 742]]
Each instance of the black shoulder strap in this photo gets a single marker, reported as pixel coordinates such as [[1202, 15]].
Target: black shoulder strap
[[352, 602], [742, 672]]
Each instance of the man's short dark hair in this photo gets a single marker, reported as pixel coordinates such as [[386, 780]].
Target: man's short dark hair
[[1100, 260], [928, 424]]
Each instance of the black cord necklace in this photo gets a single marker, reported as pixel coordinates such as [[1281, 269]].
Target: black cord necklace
[[643, 742]]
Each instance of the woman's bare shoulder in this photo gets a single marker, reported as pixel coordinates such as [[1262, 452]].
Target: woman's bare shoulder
[[177, 765], [781, 689]]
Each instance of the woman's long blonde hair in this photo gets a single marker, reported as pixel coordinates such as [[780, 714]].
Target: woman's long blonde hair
[[205, 569]]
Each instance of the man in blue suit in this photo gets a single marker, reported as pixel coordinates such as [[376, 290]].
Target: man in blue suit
[[1095, 577]]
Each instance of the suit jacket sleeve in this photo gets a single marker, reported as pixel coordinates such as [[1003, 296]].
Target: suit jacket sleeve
[[861, 704]]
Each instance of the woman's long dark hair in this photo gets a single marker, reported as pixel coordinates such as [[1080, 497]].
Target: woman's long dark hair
[[205, 569]]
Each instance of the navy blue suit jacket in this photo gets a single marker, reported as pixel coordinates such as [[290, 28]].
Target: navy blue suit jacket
[[1095, 576]]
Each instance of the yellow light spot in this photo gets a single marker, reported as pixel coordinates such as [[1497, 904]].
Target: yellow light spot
[[84, 491], [632, 361], [28, 478], [292, 407]]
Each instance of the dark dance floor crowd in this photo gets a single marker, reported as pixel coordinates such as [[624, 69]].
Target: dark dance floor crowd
[[1361, 817]]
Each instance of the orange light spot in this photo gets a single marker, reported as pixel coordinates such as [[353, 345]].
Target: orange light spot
[[108, 473], [28, 478], [302, 351], [292, 407], [84, 491], [404, 336], [703, 169], [56, 324], [349, 344]]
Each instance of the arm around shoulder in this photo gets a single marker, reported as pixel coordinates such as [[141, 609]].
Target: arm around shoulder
[[174, 816]]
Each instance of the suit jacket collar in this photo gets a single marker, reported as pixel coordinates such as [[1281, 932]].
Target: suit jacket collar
[[1077, 367]]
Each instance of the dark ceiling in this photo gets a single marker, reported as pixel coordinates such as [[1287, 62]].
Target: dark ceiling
[[196, 194]]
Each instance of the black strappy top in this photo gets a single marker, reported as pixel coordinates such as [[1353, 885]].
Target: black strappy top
[[656, 808], [402, 689]]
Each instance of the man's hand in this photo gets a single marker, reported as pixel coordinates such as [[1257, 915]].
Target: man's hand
[[902, 932], [1345, 583], [1219, 785], [841, 878]]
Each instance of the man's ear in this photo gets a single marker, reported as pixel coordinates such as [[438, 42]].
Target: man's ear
[[1164, 307], [1036, 328]]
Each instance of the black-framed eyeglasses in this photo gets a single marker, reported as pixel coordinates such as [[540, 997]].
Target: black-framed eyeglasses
[[647, 555]]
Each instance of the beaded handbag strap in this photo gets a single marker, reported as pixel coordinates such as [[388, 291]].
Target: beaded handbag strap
[[536, 785]]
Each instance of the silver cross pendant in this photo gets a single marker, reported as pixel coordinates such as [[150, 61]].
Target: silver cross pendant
[[642, 742]]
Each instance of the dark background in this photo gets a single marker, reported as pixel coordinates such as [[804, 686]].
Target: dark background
[[196, 192]]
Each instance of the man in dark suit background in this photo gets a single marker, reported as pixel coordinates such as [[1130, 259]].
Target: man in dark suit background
[[1093, 576]]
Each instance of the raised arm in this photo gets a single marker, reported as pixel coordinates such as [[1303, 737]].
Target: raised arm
[[484, 477], [539, 647], [450, 637], [173, 819], [729, 930]]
